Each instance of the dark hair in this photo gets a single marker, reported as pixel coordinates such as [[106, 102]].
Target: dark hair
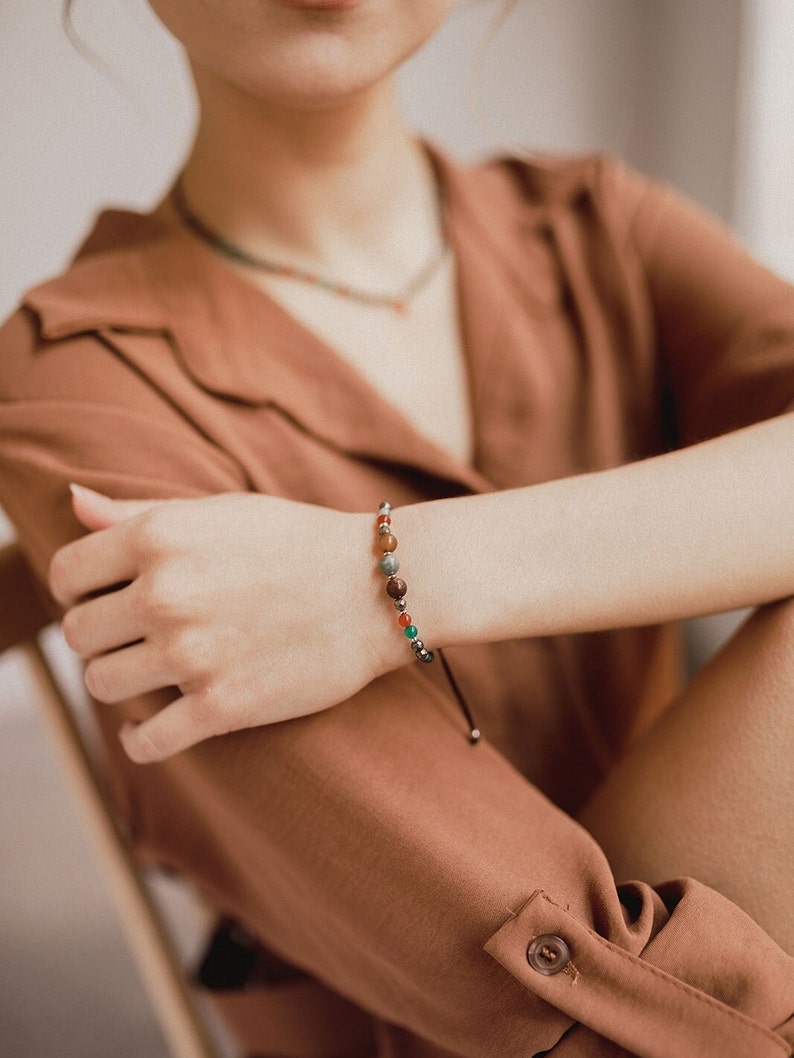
[[121, 84], [68, 25]]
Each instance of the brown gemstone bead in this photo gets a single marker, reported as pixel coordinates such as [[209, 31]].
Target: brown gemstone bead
[[387, 543], [396, 588]]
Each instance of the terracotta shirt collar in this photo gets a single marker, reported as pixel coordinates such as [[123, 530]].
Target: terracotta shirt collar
[[239, 344]]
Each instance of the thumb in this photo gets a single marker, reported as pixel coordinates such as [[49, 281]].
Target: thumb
[[97, 511]]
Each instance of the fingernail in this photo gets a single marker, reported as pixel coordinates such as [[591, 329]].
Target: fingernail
[[81, 491]]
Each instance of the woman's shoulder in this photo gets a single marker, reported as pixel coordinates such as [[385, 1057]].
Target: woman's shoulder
[[104, 279], [520, 193], [106, 284], [533, 189]]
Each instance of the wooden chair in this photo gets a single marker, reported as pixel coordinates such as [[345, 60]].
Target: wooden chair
[[294, 1017], [24, 614]]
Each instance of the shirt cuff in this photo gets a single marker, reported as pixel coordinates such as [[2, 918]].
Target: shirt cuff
[[704, 978]]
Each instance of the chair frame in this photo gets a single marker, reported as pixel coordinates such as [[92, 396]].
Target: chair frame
[[24, 617]]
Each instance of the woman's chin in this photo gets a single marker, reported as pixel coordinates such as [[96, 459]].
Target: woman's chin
[[301, 53], [319, 90], [323, 72]]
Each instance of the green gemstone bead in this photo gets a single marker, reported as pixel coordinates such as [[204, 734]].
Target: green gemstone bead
[[389, 564], [411, 632]]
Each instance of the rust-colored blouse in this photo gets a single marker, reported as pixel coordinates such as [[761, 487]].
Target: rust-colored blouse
[[604, 320]]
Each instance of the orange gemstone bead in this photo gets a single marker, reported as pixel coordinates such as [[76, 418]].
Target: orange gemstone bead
[[387, 542], [384, 519], [404, 620]]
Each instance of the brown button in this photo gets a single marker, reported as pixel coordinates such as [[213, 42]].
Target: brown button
[[548, 954]]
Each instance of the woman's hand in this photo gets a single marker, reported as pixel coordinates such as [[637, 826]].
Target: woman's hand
[[258, 609]]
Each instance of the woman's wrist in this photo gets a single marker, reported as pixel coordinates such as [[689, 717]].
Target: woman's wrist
[[431, 565], [414, 532], [374, 617]]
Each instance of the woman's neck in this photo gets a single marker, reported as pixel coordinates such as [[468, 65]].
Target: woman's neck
[[344, 188]]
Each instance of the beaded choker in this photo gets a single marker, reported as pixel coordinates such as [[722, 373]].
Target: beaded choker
[[399, 302]]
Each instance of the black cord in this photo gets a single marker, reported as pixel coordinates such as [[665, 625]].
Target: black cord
[[474, 731]]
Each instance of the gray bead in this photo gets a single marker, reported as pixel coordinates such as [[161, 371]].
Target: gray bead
[[385, 508], [389, 564], [417, 645], [427, 656], [384, 530], [400, 605]]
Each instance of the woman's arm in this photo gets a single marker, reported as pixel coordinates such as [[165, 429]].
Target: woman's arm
[[700, 530], [294, 619]]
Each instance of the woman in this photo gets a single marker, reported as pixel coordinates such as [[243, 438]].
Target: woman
[[328, 311]]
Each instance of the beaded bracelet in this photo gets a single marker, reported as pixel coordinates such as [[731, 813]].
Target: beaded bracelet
[[396, 590]]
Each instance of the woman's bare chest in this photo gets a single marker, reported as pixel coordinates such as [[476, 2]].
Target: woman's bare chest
[[415, 360]]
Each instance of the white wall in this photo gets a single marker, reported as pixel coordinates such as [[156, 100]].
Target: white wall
[[764, 170], [70, 141], [654, 80]]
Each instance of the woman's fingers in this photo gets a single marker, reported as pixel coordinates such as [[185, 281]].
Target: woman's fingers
[[104, 623], [97, 511], [111, 554], [126, 673], [92, 563], [180, 725]]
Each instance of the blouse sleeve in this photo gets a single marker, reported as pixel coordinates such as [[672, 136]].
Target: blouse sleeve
[[424, 879], [725, 323]]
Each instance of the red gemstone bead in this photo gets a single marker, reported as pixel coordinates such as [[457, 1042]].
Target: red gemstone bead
[[404, 620], [384, 519], [396, 588]]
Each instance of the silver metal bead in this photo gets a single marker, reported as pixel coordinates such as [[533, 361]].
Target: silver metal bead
[[384, 530], [417, 645], [385, 508], [400, 605], [426, 656], [389, 564]]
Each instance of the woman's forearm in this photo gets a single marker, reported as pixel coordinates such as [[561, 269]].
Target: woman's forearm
[[700, 530]]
